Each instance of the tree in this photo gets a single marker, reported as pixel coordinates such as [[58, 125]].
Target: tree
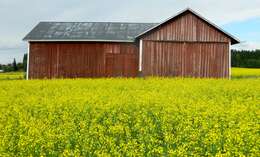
[[8, 68], [20, 66], [245, 58], [15, 68], [25, 62]]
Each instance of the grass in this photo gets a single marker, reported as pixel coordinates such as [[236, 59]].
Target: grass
[[131, 117], [12, 76]]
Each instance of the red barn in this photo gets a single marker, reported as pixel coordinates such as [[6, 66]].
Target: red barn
[[185, 45]]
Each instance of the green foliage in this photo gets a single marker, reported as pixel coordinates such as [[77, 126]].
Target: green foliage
[[130, 117], [25, 62], [15, 68], [246, 59], [7, 68]]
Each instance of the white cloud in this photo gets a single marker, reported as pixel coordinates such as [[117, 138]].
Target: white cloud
[[220, 11], [226, 11], [247, 46], [10, 44]]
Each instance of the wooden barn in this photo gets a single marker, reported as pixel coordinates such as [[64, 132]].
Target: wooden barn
[[185, 45]]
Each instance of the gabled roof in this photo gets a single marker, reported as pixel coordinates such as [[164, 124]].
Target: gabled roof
[[87, 31], [234, 40], [104, 31]]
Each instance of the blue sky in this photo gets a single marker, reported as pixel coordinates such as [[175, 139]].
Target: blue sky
[[238, 17], [248, 32]]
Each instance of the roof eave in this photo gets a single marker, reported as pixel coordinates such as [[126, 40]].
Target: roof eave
[[76, 40], [235, 41]]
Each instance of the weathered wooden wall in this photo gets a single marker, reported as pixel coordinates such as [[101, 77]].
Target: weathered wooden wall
[[187, 47], [82, 59], [187, 28], [185, 59]]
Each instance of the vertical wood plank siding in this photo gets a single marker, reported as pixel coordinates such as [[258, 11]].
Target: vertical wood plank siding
[[71, 60], [185, 59], [187, 28], [186, 47]]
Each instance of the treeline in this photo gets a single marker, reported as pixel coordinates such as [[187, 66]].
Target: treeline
[[12, 67], [245, 58]]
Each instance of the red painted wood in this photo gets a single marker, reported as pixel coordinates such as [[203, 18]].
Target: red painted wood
[[82, 59], [186, 47], [185, 59], [187, 28]]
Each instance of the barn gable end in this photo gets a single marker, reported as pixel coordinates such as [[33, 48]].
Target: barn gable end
[[187, 28], [186, 45]]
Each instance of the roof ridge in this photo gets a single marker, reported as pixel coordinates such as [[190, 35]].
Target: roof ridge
[[98, 22]]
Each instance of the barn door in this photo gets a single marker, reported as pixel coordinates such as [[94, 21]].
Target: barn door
[[121, 65], [42, 60], [185, 59]]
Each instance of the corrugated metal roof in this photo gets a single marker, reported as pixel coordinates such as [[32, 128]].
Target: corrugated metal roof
[[87, 31]]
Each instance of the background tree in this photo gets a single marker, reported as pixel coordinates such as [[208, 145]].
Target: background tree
[[7, 68], [245, 58], [25, 62], [15, 68]]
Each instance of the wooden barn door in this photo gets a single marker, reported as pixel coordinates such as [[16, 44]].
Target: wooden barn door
[[66, 60], [121, 65], [121, 60], [43, 59], [185, 59], [81, 60]]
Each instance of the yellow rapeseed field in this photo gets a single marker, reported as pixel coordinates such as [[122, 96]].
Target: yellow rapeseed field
[[245, 73], [130, 117], [12, 76]]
